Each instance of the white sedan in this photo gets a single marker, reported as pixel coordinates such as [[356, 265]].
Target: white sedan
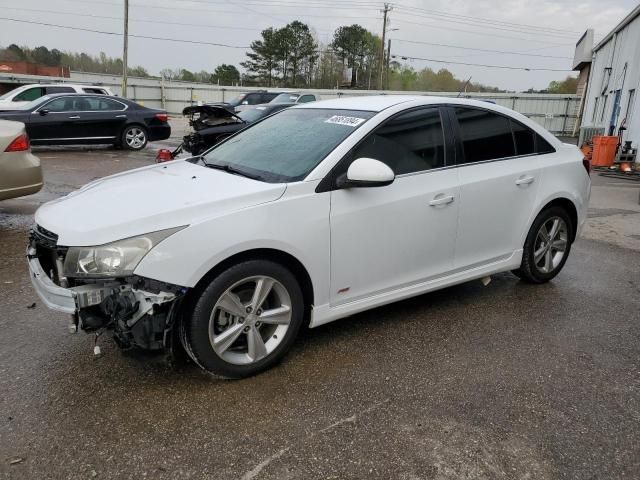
[[311, 215]]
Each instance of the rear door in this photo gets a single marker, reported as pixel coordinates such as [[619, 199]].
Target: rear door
[[499, 176], [100, 118]]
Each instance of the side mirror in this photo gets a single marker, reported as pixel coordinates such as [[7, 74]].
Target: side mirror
[[43, 112], [366, 172], [245, 102]]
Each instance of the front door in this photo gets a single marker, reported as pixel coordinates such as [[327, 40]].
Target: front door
[[386, 238]]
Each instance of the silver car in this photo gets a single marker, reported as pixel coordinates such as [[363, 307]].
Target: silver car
[[20, 171]]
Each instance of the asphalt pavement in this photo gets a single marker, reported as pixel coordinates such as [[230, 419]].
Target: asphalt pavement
[[507, 381]]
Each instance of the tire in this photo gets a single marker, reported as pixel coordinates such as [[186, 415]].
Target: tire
[[134, 137], [251, 332], [543, 257]]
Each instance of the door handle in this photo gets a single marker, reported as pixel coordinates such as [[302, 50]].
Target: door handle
[[121, 116], [525, 180], [74, 117], [445, 200]]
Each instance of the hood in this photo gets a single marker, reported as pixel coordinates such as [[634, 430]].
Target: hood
[[150, 199], [11, 106], [217, 111]]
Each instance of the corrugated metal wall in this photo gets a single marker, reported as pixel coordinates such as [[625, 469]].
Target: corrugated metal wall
[[554, 112], [616, 66]]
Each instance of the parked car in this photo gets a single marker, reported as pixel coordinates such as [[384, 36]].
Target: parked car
[[20, 171], [249, 99], [19, 97], [68, 119], [212, 124], [311, 215], [295, 98]]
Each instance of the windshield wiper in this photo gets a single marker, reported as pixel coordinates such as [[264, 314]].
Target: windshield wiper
[[230, 169]]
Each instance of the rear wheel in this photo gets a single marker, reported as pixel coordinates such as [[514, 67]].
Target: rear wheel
[[245, 320], [134, 137], [547, 246]]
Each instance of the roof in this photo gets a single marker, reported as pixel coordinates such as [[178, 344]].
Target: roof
[[377, 103], [625, 21], [374, 103]]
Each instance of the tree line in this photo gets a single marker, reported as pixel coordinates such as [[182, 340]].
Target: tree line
[[292, 57]]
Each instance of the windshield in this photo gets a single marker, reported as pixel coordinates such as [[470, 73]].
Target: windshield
[[253, 114], [234, 102], [285, 98], [8, 94], [287, 146]]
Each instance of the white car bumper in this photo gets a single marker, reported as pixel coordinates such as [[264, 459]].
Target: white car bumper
[[54, 297]]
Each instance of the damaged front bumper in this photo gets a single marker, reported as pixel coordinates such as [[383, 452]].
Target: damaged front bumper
[[140, 311]]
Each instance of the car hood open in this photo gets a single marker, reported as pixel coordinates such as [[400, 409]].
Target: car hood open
[[150, 199]]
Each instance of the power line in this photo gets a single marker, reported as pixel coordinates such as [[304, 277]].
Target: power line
[[492, 27], [484, 34], [506, 67], [179, 40], [480, 49], [486, 20], [161, 22]]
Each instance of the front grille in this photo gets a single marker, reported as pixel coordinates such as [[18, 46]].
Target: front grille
[[47, 250], [44, 237]]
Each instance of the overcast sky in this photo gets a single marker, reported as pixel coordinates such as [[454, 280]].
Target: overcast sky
[[540, 27]]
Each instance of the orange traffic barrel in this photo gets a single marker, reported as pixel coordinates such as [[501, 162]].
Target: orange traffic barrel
[[604, 150]]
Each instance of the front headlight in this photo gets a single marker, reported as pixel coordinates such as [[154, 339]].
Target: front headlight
[[117, 259]]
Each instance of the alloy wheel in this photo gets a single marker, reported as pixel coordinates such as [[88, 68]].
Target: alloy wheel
[[135, 138], [249, 320], [550, 245]]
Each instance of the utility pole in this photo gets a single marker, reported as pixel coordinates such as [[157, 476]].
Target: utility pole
[[125, 49], [388, 60], [385, 12]]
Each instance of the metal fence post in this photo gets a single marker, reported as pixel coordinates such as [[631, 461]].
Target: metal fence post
[[567, 101]]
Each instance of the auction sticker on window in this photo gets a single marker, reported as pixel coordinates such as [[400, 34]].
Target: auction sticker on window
[[342, 120]]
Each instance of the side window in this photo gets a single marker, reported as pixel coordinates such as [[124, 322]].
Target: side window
[[525, 139], [267, 97], [64, 104], [410, 142], [29, 95], [253, 99], [484, 135], [97, 104], [60, 90], [307, 98], [542, 146]]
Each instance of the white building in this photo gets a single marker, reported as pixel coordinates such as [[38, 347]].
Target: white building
[[614, 78]]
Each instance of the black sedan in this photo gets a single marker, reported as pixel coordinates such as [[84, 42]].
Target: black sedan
[[71, 119], [214, 123]]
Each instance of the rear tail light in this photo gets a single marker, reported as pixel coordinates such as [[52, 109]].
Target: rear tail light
[[19, 144], [164, 155], [163, 117], [587, 164]]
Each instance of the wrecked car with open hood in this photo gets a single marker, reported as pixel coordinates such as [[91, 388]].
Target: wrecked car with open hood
[[213, 123]]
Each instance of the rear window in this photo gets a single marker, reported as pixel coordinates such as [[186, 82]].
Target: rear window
[[542, 146], [525, 139], [485, 135], [99, 91], [60, 90]]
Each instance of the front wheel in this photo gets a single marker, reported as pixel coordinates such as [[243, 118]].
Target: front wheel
[[134, 137], [245, 320], [547, 246]]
